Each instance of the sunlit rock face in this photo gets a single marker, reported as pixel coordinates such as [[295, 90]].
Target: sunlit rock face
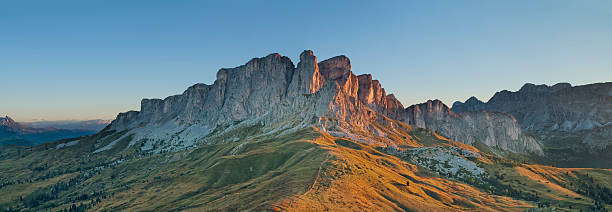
[[338, 69], [270, 91], [552, 112], [372, 94], [279, 96], [493, 129], [8, 122], [307, 78]]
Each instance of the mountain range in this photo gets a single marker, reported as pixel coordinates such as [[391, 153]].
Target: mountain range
[[326, 95], [93, 125], [272, 135], [573, 122], [33, 133]]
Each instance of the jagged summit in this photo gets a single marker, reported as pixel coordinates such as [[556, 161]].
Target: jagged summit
[[270, 91], [471, 104], [530, 87], [6, 120], [374, 96], [493, 129], [273, 92], [255, 86], [538, 102], [473, 99], [9, 123], [557, 113], [275, 135]]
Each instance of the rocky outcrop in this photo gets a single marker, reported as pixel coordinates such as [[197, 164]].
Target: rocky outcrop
[[493, 129], [270, 91], [553, 111], [372, 94], [307, 78], [471, 104], [237, 94], [273, 93]]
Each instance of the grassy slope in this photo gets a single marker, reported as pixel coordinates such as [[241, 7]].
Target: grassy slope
[[362, 178], [561, 188], [307, 170], [219, 177], [209, 178]]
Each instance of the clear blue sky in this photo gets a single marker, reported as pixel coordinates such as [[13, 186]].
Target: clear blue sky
[[93, 59]]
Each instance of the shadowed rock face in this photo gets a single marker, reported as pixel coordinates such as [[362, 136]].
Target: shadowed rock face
[[493, 129], [374, 96], [472, 104], [237, 94], [553, 111], [272, 92]]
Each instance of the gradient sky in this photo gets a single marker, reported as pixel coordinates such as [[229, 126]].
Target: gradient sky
[[93, 59]]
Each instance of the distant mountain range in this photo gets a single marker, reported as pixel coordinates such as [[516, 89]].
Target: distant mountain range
[[93, 125], [574, 123], [33, 133], [270, 135]]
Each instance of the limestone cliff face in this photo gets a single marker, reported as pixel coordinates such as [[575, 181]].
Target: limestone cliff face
[[270, 91], [552, 112], [237, 94], [307, 78], [493, 129], [372, 94], [338, 69], [279, 96]]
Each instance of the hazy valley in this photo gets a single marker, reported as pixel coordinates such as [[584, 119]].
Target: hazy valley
[[34, 133]]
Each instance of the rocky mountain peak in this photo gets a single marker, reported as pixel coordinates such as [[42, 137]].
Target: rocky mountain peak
[[338, 69], [393, 104], [433, 108], [471, 104], [6, 119], [307, 79], [532, 88], [8, 122], [306, 55], [554, 112], [272, 92], [335, 68], [370, 91], [561, 85], [493, 129], [473, 100]]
